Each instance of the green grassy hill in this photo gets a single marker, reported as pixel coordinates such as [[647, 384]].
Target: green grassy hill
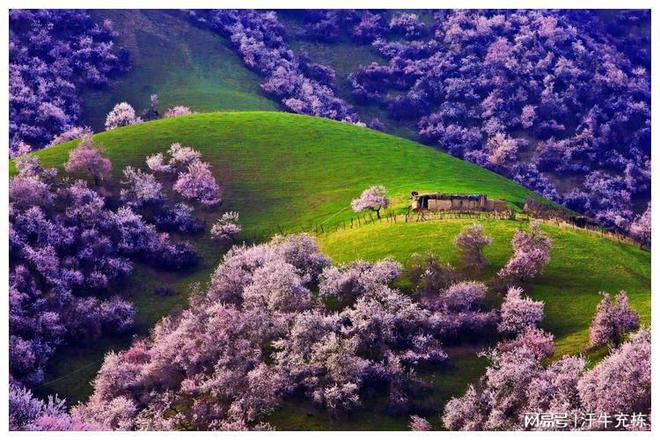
[[181, 63], [287, 173]]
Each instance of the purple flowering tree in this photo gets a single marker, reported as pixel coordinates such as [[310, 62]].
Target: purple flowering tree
[[373, 198], [89, 158]]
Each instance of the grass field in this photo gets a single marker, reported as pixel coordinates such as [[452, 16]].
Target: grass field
[[179, 62], [582, 264], [287, 173]]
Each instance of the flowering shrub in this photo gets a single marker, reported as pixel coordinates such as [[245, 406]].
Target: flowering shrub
[[641, 227], [177, 110], [226, 227], [198, 183], [470, 243]]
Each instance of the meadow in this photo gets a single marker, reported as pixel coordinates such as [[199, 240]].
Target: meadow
[[289, 173]]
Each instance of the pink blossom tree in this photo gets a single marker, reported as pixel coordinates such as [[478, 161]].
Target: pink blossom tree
[[518, 313], [613, 320], [140, 188], [418, 423], [640, 229], [226, 227], [373, 198], [121, 115], [470, 243], [531, 252], [89, 157], [177, 110], [198, 183]]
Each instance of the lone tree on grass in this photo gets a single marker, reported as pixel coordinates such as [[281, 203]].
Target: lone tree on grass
[[373, 198], [613, 320], [121, 115], [531, 253], [226, 227], [90, 158], [470, 243]]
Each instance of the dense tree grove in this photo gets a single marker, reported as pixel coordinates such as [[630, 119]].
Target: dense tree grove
[[259, 334], [260, 39], [69, 249], [52, 55], [535, 95], [518, 382]]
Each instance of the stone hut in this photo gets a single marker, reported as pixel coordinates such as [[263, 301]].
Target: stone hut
[[455, 202]]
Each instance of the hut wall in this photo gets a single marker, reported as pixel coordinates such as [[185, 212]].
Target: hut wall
[[440, 205]]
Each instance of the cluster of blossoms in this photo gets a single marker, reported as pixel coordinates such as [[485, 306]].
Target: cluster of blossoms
[[373, 198], [520, 382], [470, 243], [195, 180], [258, 334], [177, 110], [121, 115], [65, 243], [613, 320], [124, 114], [52, 54], [569, 86], [531, 253], [301, 86], [226, 227]]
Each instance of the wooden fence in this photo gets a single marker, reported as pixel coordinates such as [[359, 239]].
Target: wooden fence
[[412, 217]]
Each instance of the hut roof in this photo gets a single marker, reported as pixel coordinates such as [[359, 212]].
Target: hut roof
[[443, 196]]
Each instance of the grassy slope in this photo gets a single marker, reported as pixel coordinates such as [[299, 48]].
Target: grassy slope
[[582, 264], [181, 63], [284, 172]]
